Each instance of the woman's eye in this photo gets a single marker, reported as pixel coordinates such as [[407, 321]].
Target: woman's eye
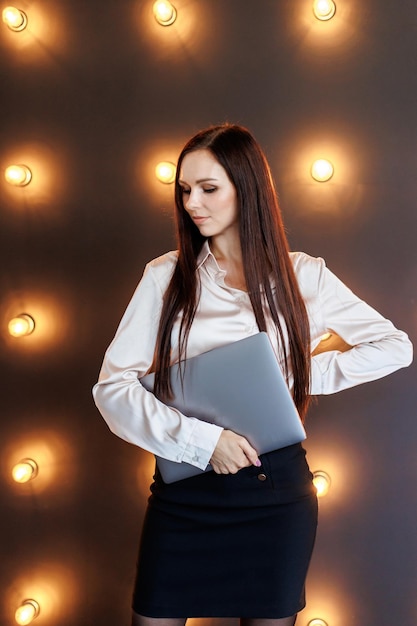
[[210, 190], [186, 191]]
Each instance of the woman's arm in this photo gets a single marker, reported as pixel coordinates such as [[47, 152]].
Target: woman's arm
[[132, 412], [377, 347]]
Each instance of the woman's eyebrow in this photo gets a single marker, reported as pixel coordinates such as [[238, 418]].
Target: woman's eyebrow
[[199, 181]]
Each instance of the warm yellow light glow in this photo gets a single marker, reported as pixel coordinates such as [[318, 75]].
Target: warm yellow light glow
[[324, 9], [51, 452], [19, 175], [321, 481], [48, 164], [25, 470], [322, 170], [165, 13], [317, 622], [27, 612], [15, 18], [165, 172], [22, 325], [325, 337], [52, 315]]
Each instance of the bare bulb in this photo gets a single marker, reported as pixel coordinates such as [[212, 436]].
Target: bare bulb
[[325, 337], [18, 175], [322, 170], [165, 13], [27, 612], [14, 18], [21, 326], [324, 9], [321, 481], [165, 172], [25, 470]]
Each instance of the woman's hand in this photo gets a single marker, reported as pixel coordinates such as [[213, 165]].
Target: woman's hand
[[232, 453]]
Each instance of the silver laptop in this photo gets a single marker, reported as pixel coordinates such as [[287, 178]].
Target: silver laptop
[[240, 387]]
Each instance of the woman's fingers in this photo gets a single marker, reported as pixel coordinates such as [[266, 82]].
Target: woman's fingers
[[250, 452], [232, 453]]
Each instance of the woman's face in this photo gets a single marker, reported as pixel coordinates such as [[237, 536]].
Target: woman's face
[[208, 195]]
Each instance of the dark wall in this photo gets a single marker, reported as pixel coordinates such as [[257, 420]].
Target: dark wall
[[94, 95]]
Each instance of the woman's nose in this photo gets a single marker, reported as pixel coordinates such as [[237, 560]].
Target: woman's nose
[[192, 200]]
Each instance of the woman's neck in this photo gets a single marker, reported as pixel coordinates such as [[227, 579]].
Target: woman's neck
[[229, 259], [227, 250]]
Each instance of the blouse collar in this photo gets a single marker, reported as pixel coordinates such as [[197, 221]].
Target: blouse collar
[[204, 253]]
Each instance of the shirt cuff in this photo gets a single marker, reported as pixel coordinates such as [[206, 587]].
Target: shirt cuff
[[206, 435]]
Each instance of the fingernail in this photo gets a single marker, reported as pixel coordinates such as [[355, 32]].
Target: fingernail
[[258, 463]]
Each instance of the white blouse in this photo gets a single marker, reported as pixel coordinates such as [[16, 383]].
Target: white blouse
[[225, 315]]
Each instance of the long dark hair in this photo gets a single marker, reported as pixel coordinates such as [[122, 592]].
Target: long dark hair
[[265, 253]]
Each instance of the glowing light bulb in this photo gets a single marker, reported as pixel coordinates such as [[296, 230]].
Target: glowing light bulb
[[317, 622], [324, 9], [321, 481], [322, 170], [14, 18], [325, 337], [25, 470], [27, 612], [22, 325], [165, 13], [19, 175], [165, 172]]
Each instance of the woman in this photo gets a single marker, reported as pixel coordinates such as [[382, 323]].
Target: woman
[[235, 542]]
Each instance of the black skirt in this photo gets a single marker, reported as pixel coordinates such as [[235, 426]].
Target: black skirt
[[235, 545]]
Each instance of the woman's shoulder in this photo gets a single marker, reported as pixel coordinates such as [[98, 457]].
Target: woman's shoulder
[[305, 262], [164, 262], [308, 269], [162, 266], [159, 271]]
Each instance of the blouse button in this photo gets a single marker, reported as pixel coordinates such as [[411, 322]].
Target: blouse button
[[262, 477]]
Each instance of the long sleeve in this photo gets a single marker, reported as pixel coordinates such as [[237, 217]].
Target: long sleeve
[[225, 315], [378, 348], [132, 412]]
